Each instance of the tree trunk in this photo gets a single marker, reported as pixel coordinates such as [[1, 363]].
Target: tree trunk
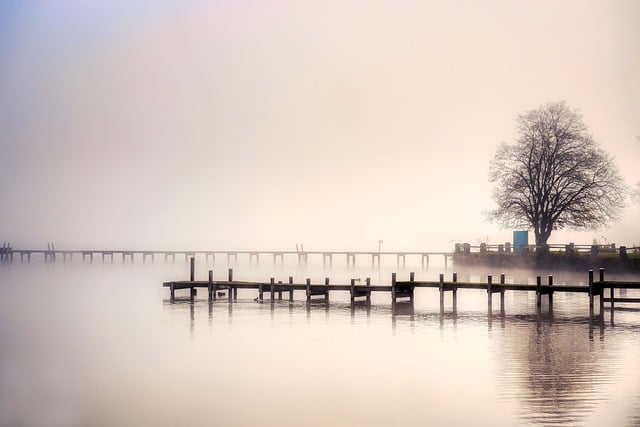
[[541, 238]]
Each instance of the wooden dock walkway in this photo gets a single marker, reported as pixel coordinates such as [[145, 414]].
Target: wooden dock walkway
[[404, 290], [51, 254]]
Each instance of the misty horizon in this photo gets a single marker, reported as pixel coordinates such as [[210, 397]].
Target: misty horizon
[[243, 125]]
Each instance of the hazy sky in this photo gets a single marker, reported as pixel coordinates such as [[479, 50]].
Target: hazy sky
[[261, 124]]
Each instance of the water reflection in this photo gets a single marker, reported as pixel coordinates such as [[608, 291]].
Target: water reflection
[[550, 366]]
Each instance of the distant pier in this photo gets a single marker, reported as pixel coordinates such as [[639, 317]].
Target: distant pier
[[51, 254]]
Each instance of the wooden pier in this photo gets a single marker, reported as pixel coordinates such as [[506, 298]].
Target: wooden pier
[[51, 254], [404, 290]]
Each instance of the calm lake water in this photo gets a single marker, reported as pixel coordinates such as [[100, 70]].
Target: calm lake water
[[102, 345]]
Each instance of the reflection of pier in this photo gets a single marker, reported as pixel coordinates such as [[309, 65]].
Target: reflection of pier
[[405, 289], [50, 254]]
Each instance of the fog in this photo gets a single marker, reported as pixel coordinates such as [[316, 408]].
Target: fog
[[241, 124]]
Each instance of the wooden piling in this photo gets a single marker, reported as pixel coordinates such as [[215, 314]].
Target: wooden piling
[[590, 293], [279, 290], [412, 276], [272, 289], [326, 292], [210, 287], [550, 293], [441, 289], [235, 288], [611, 290], [455, 292], [502, 283], [393, 288], [538, 292], [261, 291], [368, 282], [601, 290], [193, 268], [308, 290], [352, 291], [490, 290], [291, 289]]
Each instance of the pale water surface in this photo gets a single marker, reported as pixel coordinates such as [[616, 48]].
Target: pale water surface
[[94, 344]]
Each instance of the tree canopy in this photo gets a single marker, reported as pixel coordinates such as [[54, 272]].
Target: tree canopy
[[554, 175]]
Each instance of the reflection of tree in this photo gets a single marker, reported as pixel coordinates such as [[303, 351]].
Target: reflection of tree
[[552, 368]]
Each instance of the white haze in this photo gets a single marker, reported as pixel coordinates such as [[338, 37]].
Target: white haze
[[242, 124]]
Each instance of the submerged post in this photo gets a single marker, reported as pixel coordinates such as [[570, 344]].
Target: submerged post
[[308, 290], [272, 289], [193, 269], [235, 289], [538, 292], [550, 293], [490, 289]]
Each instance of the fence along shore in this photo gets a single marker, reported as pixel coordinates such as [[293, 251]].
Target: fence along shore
[[400, 290]]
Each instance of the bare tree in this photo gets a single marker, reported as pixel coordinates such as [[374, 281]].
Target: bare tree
[[554, 176]]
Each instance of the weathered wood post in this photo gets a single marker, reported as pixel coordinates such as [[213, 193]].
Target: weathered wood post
[[601, 290], [352, 290], [326, 292], [235, 288], [308, 290], [291, 289], [280, 290], [550, 293], [272, 289], [590, 293], [455, 292], [368, 282], [441, 289], [611, 288], [412, 276], [210, 287], [173, 292], [393, 288], [538, 292], [261, 291], [502, 283], [490, 290], [192, 269]]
